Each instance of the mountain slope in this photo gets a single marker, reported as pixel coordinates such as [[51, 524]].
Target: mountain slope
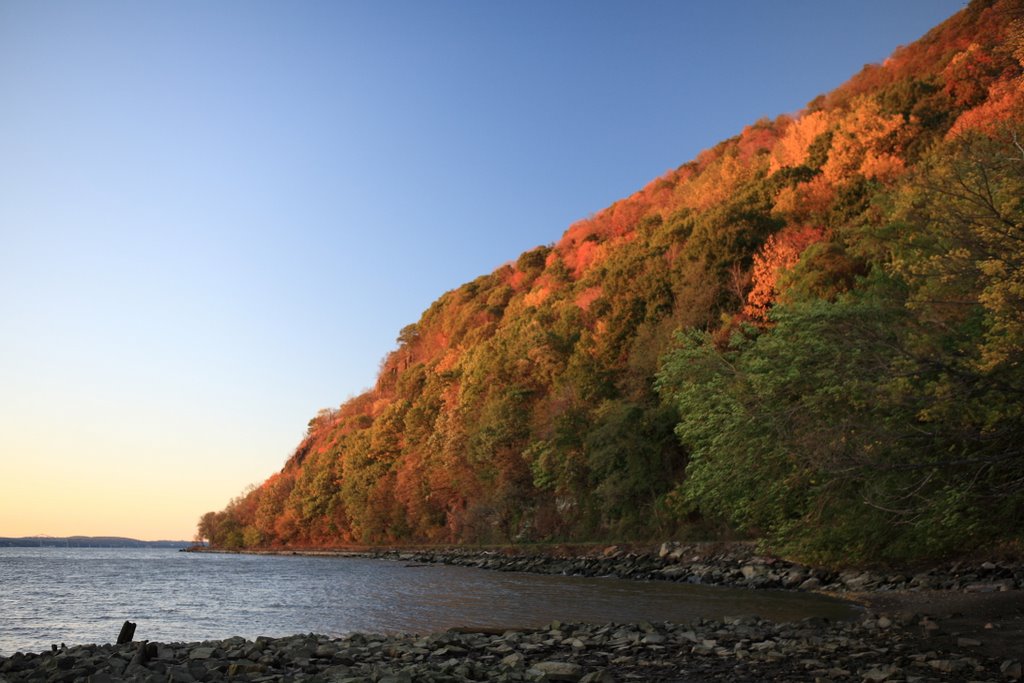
[[787, 292]]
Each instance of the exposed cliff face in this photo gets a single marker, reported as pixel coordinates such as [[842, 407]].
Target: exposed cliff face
[[522, 405]]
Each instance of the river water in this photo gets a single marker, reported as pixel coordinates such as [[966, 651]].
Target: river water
[[83, 595]]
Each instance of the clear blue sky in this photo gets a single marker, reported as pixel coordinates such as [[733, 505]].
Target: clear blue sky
[[216, 216]]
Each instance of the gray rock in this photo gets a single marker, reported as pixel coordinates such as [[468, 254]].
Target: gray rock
[[751, 571], [992, 587], [794, 577], [858, 582], [1011, 669], [944, 665], [880, 674], [559, 671], [325, 650], [179, 674], [513, 661], [811, 584], [673, 571]]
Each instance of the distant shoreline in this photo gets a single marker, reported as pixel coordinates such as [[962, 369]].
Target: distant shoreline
[[87, 542]]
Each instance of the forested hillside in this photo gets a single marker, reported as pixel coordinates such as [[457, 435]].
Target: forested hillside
[[812, 334]]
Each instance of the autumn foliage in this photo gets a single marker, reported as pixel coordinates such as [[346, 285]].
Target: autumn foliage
[[568, 395]]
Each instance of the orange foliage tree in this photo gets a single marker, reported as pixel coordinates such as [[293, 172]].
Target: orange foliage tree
[[779, 252]]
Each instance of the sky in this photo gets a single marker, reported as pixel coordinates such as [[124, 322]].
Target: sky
[[215, 217]]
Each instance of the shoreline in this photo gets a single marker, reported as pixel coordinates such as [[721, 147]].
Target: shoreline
[[958, 622], [977, 601], [876, 649], [714, 563]]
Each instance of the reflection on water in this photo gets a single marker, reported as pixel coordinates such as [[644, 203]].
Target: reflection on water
[[52, 595]]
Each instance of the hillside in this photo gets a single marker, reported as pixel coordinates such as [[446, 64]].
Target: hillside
[[812, 333]]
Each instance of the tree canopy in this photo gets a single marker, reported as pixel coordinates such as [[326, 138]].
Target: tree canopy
[[810, 334]]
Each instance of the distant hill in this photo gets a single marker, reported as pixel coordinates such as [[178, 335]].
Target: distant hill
[[811, 334], [87, 542]]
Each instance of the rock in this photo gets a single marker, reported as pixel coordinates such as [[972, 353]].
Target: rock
[[811, 584], [325, 650], [201, 653], [943, 665], [923, 580], [750, 571], [967, 642], [993, 587], [180, 674], [879, 674], [601, 676], [559, 671], [1011, 669], [673, 571], [513, 661], [858, 582], [794, 577]]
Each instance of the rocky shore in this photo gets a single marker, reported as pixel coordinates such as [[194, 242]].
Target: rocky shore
[[958, 622], [733, 564], [873, 649]]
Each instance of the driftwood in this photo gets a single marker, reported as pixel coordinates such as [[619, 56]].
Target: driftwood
[[126, 634]]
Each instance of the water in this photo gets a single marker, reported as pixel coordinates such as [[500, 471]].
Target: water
[[83, 595]]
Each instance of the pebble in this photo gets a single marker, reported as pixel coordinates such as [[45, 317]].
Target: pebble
[[741, 648]]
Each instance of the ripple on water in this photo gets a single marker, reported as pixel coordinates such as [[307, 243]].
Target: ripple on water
[[83, 595]]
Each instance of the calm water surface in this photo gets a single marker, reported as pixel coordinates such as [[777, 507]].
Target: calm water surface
[[83, 595]]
